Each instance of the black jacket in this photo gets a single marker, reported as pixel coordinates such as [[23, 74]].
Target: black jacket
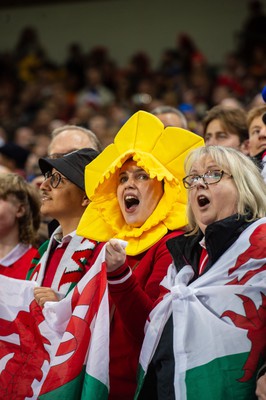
[[258, 160], [219, 236]]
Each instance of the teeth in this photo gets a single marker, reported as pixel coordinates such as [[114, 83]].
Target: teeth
[[131, 201], [203, 200]]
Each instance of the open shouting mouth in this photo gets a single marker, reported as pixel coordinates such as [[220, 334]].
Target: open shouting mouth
[[131, 203], [203, 200]]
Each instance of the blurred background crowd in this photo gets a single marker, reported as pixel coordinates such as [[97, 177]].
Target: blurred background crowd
[[90, 89]]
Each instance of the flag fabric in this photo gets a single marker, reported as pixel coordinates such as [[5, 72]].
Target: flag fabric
[[60, 351], [219, 323], [70, 266]]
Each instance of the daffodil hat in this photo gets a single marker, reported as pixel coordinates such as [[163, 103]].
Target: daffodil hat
[[161, 152]]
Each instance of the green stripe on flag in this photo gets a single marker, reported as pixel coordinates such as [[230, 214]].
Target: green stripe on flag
[[93, 389], [84, 388], [70, 391], [219, 380], [140, 380]]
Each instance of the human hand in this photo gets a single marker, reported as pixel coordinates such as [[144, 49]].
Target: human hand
[[115, 255], [261, 387], [43, 294]]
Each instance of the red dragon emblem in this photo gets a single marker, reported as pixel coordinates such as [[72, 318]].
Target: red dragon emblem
[[26, 358], [255, 319], [255, 322]]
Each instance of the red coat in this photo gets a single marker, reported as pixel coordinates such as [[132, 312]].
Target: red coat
[[133, 300]]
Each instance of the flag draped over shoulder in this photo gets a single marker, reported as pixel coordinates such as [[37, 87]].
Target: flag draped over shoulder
[[219, 323], [60, 351]]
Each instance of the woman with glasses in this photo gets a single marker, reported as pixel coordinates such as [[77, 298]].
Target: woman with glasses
[[64, 259], [206, 337]]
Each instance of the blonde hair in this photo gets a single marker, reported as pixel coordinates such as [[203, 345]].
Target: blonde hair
[[247, 178], [14, 186]]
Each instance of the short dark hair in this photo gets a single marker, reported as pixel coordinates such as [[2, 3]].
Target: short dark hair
[[233, 119]]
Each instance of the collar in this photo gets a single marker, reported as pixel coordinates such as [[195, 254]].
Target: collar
[[61, 240], [18, 251], [202, 242], [219, 236]]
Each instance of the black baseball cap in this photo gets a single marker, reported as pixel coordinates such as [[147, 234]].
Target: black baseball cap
[[71, 165]]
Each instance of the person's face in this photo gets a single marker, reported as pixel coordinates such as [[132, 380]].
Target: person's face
[[216, 135], [257, 136], [213, 202], [137, 194], [10, 211], [24, 136], [63, 202], [69, 140]]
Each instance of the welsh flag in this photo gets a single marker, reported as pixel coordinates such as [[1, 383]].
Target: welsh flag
[[219, 323], [60, 351]]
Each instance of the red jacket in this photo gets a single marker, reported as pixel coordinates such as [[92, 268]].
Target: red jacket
[[133, 300]]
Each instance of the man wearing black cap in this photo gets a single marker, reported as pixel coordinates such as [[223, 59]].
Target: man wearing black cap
[[65, 258]]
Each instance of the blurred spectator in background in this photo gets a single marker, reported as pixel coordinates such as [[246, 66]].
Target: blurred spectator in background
[[19, 223], [24, 136], [3, 136], [70, 137], [253, 34], [226, 126], [89, 89], [14, 157], [170, 116], [39, 149], [29, 44], [95, 93], [256, 120], [74, 66]]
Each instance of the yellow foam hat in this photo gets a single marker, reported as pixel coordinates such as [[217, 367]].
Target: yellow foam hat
[[161, 153]]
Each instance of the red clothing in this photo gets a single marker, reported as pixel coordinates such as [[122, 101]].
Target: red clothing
[[53, 262], [61, 268], [20, 267], [203, 260], [133, 301]]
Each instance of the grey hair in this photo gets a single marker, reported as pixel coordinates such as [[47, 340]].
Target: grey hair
[[171, 110], [246, 175], [95, 141]]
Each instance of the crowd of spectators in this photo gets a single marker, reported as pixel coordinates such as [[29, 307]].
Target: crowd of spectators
[[89, 89], [44, 103]]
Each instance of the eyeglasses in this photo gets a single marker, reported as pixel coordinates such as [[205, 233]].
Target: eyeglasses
[[208, 178], [55, 178]]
